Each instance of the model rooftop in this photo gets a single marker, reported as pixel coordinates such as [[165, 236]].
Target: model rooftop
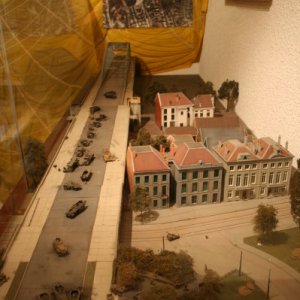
[[173, 99]]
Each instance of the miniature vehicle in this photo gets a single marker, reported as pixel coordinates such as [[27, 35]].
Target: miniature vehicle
[[3, 278], [86, 175], [86, 160], [91, 128], [71, 166], [90, 135], [44, 296], [172, 236], [101, 117], [97, 124], [85, 143], [72, 186], [60, 292], [107, 156], [80, 152], [110, 95], [59, 247], [94, 109], [74, 294], [76, 209]]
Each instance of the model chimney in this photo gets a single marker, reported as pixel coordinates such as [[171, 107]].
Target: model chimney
[[286, 145], [279, 139]]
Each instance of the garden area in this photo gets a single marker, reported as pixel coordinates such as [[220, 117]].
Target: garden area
[[284, 245]]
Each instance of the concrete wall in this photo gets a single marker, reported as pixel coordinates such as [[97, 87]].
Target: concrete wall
[[259, 47]]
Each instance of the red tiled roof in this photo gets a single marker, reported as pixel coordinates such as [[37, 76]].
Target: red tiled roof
[[180, 130], [189, 154], [146, 159], [174, 99], [217, 122], [203, 101]]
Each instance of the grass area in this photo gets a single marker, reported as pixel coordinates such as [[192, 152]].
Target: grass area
[[282, 245], [237, 287]]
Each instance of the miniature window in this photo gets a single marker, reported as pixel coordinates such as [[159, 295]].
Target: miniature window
[[216, 173], [164, 190], [155, 203], [231, 168], [208, 114], [230, 180], [205, 186], [254, 166], [237, 193], [194, 199], [181, 113], [155, 190], [183, 188], [183, 200], [216, 185], [201, 114], [165, 118], [238, 180], [247, 167], [215, 197], [277, 179], [146, 178], [286, 164], [205, 174], [165, 111], [172, 117], [204, 198], [165, 124], [196, 115], [262, 190], [195, 174], [253, 178], [164, 178], [279, 165], [155, 178], [272, 165], [164, 202], [181, 124], [285, 176], [173, 110], [239, 167], [183, 175], [194, 187], [137, 180], [271, 177], [263, 177], [229, 194], [246, 179], [265, 166]]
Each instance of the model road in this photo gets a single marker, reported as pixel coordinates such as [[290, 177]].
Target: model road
[[45, 267], [213, 236]]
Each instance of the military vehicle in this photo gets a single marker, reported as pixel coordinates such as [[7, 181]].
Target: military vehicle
[[72, 186], [59, 247], [86, 160], [76, 209], [101, 117], [60, 292], [74, 294], [90, 135], [172, 236], [71, 165], [107, 156], [85, 142], [97, 124], [86, 176], [80, 151], [94, 109], [44, 296], [110, 95]]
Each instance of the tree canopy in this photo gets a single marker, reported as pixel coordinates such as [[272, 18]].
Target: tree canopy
[[143, 138], [229, 90], [35, 160], [295, 195], [159, 292], [265, 220], [127, 275], [140, 200]]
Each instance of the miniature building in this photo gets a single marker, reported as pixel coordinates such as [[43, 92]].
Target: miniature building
[[146, 168], [197, 175], [254, 170], [135, 109], [176, 110]]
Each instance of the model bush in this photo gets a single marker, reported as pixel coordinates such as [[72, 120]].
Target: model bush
[[161, 140], [159, 292], [210, 287], [127, 275], [229, 90], [295, 195], [35, 161]]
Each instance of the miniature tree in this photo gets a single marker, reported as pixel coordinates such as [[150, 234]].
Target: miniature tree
[[127, 275], [35, 161], [140, 200], [143, 138], [159, 292], [161, 140], [152, 91], [209, 88], [265, 220], [229, 90], [295, 194], [211, 285]]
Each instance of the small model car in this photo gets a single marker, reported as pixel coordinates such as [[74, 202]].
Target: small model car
[[90, 135], [72, 186], [91, 128], [172, 236], [74, 294], [3, 278], [60, 292], [85, 142], [94, 109], [71, 166], [97, 124], [80, 151], [76, 209], [101, 117], [107, 156], [110, 95], [59, 247], [44, 296], [87, 159], [86, 176]]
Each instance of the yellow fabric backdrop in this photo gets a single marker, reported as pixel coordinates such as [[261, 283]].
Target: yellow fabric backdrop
[[54, 48]]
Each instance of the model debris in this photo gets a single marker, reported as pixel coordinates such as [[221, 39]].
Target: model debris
[[59, 247], [108, 156]]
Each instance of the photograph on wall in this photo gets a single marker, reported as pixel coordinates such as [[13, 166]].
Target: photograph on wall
[[147, 13]]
